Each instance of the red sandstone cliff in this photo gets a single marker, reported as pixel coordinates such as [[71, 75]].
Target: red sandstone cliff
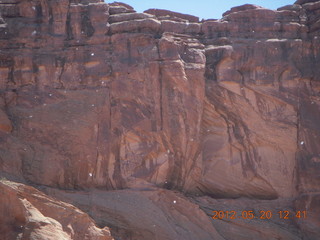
[[148, 122]]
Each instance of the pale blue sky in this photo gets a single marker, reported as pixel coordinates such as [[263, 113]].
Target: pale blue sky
[[202, 8]]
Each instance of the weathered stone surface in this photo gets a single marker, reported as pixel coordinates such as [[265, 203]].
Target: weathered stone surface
[[163, 13], [128, 17], [305, 1], [271, 25], [96, 96], [139, 25], [241, 8], [5, 123], [144, 213], [27, 213], [50, 160], [310, 224], [267, 223], [118, 8], [237, 153], [313, 12], [180, 27]]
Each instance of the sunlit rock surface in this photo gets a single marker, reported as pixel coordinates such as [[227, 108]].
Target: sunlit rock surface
[[128, 115], [27, 213]]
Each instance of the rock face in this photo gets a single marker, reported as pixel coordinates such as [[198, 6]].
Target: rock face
[[27, 213], [148, 213], [99, 101]]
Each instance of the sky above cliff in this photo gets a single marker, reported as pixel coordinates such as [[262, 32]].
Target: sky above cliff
[[202, 8]]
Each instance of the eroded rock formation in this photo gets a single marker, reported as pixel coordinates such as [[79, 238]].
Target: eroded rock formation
[[27, 213], [175, 116]]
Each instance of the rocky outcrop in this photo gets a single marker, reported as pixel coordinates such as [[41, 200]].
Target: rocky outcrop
[[99, 101], [144, 213], [27, 213]]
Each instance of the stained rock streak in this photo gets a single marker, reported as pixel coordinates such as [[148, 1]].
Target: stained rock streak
[[106, 109]]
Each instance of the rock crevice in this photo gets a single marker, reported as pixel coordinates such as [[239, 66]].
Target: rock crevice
[[97, 96]]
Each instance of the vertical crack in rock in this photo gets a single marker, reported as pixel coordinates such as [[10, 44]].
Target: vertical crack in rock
[[167, 112], [86, 25], [69, 25], [10, 65], [60, 64], [160, 85], [117, 175], [38, 10], [35, 71], [50, 17], [299, 129]]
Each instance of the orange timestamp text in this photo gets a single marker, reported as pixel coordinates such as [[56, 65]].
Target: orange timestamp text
[[261, 214]]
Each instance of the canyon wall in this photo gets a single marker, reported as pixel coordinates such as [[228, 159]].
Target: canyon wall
[[126, 115]]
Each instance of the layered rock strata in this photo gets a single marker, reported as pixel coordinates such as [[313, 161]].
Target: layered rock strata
[[97, 96]]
